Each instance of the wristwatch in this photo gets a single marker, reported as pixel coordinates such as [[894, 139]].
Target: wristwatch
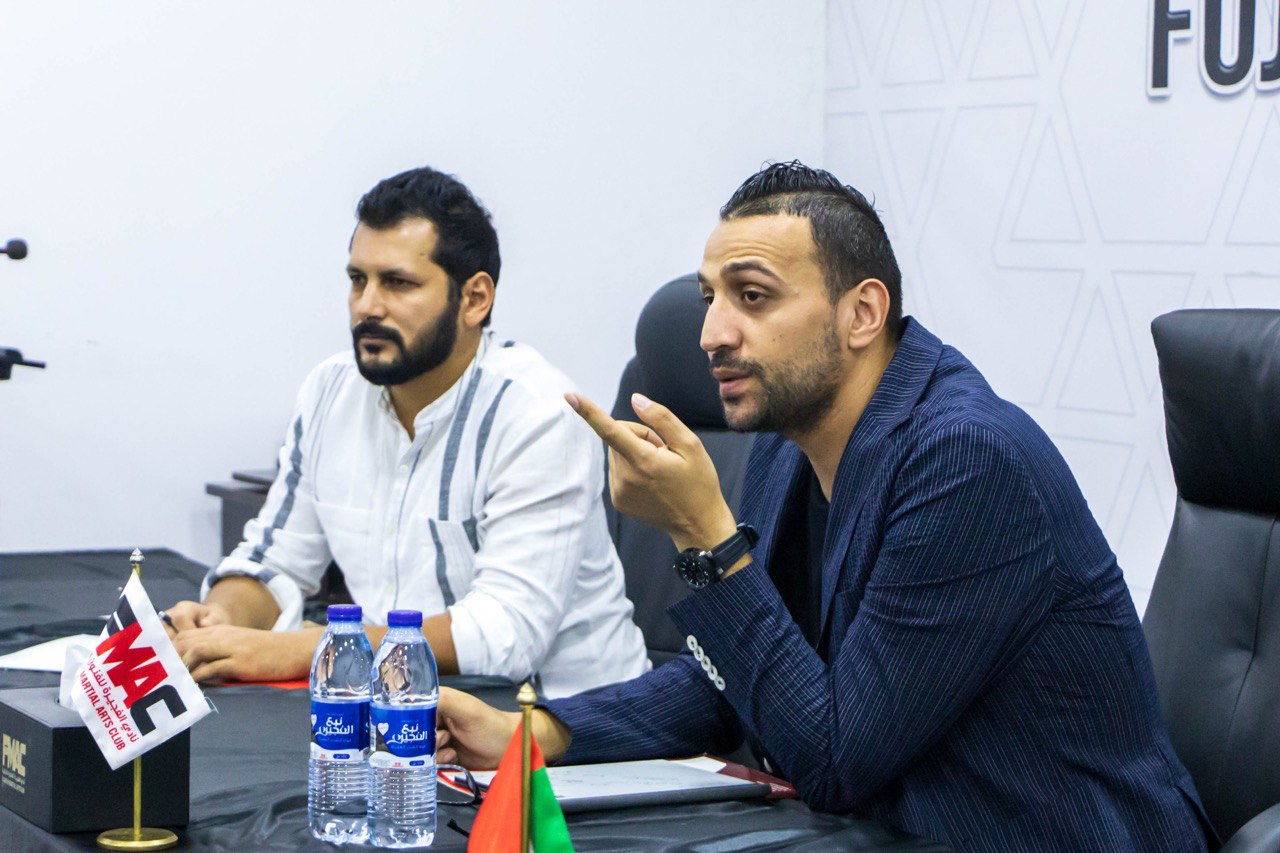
[[700, 569]]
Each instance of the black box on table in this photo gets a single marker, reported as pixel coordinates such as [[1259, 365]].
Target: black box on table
[[53, 774]]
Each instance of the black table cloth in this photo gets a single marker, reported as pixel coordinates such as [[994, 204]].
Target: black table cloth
[[249, 760]]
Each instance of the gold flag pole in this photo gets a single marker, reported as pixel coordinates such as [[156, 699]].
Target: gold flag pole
[[527, 699], [137, 837]]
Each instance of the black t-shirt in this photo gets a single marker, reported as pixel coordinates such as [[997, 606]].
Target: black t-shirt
[[797, 560]]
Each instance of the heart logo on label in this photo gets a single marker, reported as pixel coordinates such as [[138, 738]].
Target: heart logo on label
[[313, 720], [382, 728]]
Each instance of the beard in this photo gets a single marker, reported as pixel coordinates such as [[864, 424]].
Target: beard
[[796, 392], [428, 351]]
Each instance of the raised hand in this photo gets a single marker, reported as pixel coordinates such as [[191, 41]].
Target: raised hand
[[660, 473]]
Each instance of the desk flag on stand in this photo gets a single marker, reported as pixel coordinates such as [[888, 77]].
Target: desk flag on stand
[[133, 692], [497, 828]]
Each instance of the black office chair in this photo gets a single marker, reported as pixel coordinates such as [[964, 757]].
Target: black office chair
[[1213, 621], [670, 367]]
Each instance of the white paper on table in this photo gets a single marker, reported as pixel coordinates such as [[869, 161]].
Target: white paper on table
[[702, 762], [48, 656], [627, 779]]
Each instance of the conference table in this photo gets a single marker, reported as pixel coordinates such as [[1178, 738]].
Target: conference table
[[249, 760]]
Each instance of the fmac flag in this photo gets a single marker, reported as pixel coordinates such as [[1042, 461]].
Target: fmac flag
[[133, 692]]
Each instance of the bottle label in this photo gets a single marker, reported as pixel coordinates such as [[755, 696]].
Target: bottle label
[[339, 730], [404, 736]]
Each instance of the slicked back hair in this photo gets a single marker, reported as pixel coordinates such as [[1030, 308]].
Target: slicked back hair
[[466, 241], [850, 238]]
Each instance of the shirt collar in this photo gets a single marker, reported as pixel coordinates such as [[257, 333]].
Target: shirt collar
[[896, 395], [446, 404]]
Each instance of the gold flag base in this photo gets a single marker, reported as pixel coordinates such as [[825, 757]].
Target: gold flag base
[[137, 837], [145, 838]]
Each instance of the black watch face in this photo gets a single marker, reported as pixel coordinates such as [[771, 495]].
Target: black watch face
[[694, 568]]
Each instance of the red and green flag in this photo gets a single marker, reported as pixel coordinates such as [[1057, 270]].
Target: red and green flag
[[497, 826]]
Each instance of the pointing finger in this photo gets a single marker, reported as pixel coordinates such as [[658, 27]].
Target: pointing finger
[[619, 438], [645, 433], [677, 436]]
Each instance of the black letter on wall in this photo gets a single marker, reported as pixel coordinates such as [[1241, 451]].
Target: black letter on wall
[[1163, 24], [1220, 75], [1269, 73]]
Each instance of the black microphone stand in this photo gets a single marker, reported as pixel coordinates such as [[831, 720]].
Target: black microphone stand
[[11, 357], [16, 250]]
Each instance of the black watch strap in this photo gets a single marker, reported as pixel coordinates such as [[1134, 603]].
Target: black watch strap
[[732, 549]]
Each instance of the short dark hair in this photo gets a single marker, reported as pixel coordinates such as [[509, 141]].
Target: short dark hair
[[850, 238], [467, 243]]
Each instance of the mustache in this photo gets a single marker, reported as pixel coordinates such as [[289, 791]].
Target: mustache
[[743, 365], [373, 329]]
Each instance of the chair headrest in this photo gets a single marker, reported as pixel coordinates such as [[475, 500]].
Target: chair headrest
[[1220, 370], [672, 365]]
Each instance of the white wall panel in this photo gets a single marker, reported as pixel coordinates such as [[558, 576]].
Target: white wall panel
[[1045, 209], [186, 174]]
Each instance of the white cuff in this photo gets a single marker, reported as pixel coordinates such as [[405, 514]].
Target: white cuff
[[491, 650]]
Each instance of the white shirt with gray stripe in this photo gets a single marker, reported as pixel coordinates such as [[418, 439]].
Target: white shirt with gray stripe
[[492, 512]]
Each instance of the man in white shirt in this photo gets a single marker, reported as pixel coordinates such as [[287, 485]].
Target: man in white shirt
[[441, 470]]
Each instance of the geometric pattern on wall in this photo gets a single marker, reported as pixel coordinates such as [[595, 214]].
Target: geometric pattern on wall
[[1044, 211]]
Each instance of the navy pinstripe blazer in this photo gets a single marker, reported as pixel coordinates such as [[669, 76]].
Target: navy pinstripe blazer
[[986, 682]]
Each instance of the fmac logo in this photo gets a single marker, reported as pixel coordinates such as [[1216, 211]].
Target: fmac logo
[[137, 671], [14, 755], [13, 764], [1227, 59]]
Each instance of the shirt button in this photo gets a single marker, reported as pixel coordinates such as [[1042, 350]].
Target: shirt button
[[404, 469], [391, 530]]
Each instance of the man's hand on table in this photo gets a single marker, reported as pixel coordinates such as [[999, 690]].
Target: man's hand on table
[[475, 734], [222, 652], [660, 473], [186, 615]]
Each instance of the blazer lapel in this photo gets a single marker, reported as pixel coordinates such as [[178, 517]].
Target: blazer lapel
[[899, 390], [788, 465]]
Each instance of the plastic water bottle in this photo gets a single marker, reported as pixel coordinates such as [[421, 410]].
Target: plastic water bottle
[[406, 688], [338, 773]]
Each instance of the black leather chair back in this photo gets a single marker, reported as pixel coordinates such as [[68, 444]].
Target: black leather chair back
[[1213, 621], [670, 367]]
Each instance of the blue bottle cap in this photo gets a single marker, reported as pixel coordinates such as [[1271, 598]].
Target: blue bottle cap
[[345, 613], [404, 619]]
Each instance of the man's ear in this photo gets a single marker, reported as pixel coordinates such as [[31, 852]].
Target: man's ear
[[862, 312], [476, 299]]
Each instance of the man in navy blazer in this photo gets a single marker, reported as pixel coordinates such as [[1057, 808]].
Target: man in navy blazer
[[931, 628]]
